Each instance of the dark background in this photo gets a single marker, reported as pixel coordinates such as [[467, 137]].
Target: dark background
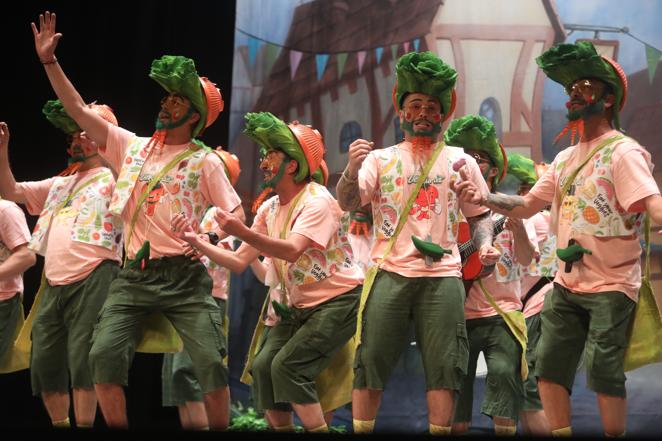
[[106, 51]]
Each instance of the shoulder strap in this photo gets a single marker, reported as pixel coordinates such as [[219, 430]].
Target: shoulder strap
[[575, 172], [152, 183], [410, 202]]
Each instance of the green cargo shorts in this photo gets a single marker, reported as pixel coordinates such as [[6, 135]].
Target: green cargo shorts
[[178, 382], [62, 331], [180, 289], [504, 391], [436, 306], [10, 311], [299, 348], [531, 396], [596, 324]]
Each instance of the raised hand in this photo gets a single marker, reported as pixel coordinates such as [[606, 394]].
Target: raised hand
[[358, 150], [45, 39], [4, 137], [466, 190], [230, 223]]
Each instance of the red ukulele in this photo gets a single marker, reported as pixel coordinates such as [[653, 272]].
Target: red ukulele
[[472, 269]]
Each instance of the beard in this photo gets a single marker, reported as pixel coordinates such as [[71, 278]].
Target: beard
[[423, 140], [596, 108]]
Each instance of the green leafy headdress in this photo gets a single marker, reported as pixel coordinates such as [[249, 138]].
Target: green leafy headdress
[[177, 74], [425, 72], [474, 132], [566, 63], [56, 115], [522, 168]]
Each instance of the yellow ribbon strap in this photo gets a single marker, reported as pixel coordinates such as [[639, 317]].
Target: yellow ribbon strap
[[372, 271], [516, 324]]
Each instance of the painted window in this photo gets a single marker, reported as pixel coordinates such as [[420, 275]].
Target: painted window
[[350, 132], [491, 110]]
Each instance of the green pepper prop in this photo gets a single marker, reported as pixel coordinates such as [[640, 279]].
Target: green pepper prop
[[430, 249], [142, 256], [283, 311], [571, 254]]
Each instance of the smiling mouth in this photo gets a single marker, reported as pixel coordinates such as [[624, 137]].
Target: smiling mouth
[[423, 123]]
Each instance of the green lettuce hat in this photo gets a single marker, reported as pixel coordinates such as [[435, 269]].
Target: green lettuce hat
[[177, 74], [272, 133], [425, 72], [522, 168], [56, 115], [566, 63], [476, 132]]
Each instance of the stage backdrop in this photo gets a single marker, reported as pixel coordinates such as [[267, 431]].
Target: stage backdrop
[[330, 64]]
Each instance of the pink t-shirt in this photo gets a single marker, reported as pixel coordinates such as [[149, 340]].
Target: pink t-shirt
[[14, 232], [154, 224], [535, 303], [67, 261], [319, 221], [506, 294], [404, 258], [361, 246], [615, 262]]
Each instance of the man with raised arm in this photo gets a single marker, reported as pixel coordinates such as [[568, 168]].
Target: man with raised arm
[[416, 263], [81, 242], [599, 189], [169, 173]]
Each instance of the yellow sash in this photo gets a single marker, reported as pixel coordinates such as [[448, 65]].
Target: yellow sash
[[23, 342], [333, 384], [644, 345], [372, 271], [159, 336], [516, 324]]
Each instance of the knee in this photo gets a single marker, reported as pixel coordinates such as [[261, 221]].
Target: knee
[[280, 367], [502, 371]]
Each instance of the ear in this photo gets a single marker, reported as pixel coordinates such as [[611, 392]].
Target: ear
[[609, 99], [193, 120], [292, 167]]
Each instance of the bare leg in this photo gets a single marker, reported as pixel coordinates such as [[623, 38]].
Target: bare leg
[[85, 407], [112, 402], [197, 415], [57, 405], [184, 417], [217, 404], [534, 422], [310, 414], [613, 411], [460, 428], [365, 403], [328, 417], [279, 418], [440, 406], [556, 403]]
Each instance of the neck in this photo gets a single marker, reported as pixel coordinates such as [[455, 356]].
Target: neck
[[287, 191], [89, 164], [177, 136], [594, 127]]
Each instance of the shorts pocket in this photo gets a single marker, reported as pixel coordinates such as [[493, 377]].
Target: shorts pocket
[[219, 335]]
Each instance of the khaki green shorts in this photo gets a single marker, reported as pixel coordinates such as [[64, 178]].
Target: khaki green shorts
[[436, 307], [531, 396], [181, 290], [504, 391], [178, 382], [10, 310], [62, 331], [296, 350], [596, 324]]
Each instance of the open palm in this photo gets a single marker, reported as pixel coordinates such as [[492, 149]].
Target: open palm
[[45, 39]]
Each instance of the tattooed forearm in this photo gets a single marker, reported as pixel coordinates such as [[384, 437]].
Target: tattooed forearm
[[347, 191], [502, 201], [481, 229]]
